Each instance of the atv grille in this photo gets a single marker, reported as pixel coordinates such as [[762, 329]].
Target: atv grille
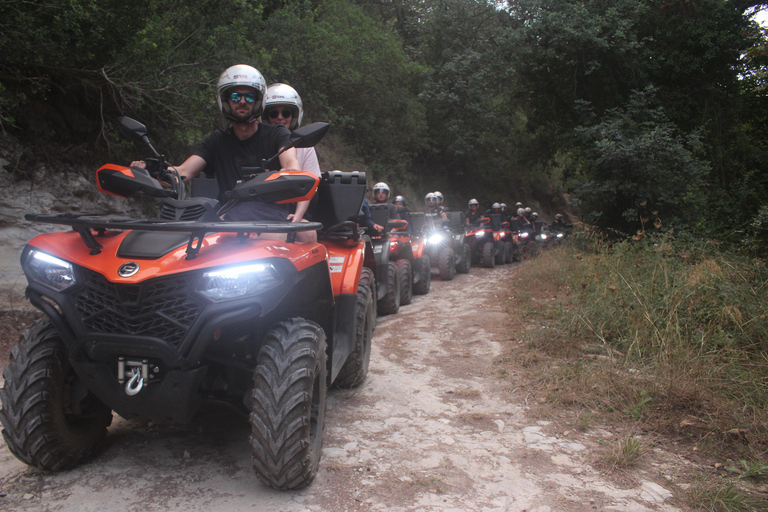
[[160, 308]]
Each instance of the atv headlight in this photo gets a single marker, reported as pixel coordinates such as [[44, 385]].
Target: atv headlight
[[49, 270], [480, 234], [560, 235], [239, 282], [436, 238], [524, 234], [543, 236]]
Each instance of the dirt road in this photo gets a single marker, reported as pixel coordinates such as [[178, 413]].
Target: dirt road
[[433, 428]]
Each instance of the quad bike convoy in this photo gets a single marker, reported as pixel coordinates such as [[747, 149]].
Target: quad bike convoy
[[493, 242], [155, 317]]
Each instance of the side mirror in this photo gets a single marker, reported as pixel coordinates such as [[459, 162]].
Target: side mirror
[[308, 136]]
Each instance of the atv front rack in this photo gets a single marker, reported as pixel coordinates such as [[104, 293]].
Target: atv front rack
[[86, 223]]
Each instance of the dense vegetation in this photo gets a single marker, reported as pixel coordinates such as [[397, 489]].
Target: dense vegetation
[[631, 106], [666, 341]]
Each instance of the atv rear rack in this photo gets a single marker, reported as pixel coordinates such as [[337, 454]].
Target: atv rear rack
[[85, 223]]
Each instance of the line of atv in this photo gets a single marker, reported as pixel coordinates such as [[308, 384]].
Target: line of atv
[[153, 318]]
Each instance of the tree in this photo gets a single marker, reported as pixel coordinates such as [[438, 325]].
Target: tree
[[635, 167]]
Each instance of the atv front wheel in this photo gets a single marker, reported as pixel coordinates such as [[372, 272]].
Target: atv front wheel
[[423, 268], [507, 252], [446, 264], [462, 267], [390, 303], [50, 420], [489, 260], [288, 404], [405, 270], [500, 254], [355, 370]]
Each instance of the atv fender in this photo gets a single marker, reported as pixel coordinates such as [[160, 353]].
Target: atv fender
[[345, 264]]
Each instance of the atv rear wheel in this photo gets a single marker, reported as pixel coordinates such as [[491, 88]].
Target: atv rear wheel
[[390, 303], [424, 270], [462, 267], [507, 252], [446, 264], [489, 260], [50, 420], [288, 404], [406, 281], [355, 370]]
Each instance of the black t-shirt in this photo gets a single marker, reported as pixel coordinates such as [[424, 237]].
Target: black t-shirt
[[474, 216], [225, 154]]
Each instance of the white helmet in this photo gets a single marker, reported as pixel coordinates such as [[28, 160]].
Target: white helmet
[[495, 206], [430, 197], [381, 186], [558, 216], [439, 197], [503, 206], [528, 210], [284, 95], [240, 75], [473, 202], [535, 215], [520, 212]]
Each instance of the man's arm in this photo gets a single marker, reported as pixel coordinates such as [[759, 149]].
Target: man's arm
[[191, 168]]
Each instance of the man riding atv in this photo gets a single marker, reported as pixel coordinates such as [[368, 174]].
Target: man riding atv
[[156, 317]]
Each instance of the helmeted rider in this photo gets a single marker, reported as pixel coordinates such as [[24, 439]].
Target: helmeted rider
[[524, 223], [402, 211], [432, 206], [246, 142], [473, 214], [494, 209], [440, 199], [504, 212], [529, 217], [558, 225], [283, 105], [381, 194]]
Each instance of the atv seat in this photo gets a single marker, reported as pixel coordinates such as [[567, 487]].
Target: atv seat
[[340, 196]]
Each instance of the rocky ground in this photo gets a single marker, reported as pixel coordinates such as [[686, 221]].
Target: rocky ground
[[434, 427]]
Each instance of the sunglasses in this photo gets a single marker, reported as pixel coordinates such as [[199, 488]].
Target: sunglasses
[[235, 97], [273, 114]]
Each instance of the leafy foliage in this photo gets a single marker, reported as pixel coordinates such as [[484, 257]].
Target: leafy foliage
[[634, 165], [525, 100]]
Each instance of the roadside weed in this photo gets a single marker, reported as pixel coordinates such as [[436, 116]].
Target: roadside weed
[[749, 470]]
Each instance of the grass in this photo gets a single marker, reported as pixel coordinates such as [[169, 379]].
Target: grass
[[668, 336]]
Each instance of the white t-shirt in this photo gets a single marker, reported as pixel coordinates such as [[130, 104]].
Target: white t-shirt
[[308, 160]]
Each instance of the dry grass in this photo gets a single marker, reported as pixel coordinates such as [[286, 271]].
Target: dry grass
[[655, 340]]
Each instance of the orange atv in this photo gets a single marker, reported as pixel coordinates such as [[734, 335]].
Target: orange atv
[[407, 258], [422, 268], [155, 317]]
